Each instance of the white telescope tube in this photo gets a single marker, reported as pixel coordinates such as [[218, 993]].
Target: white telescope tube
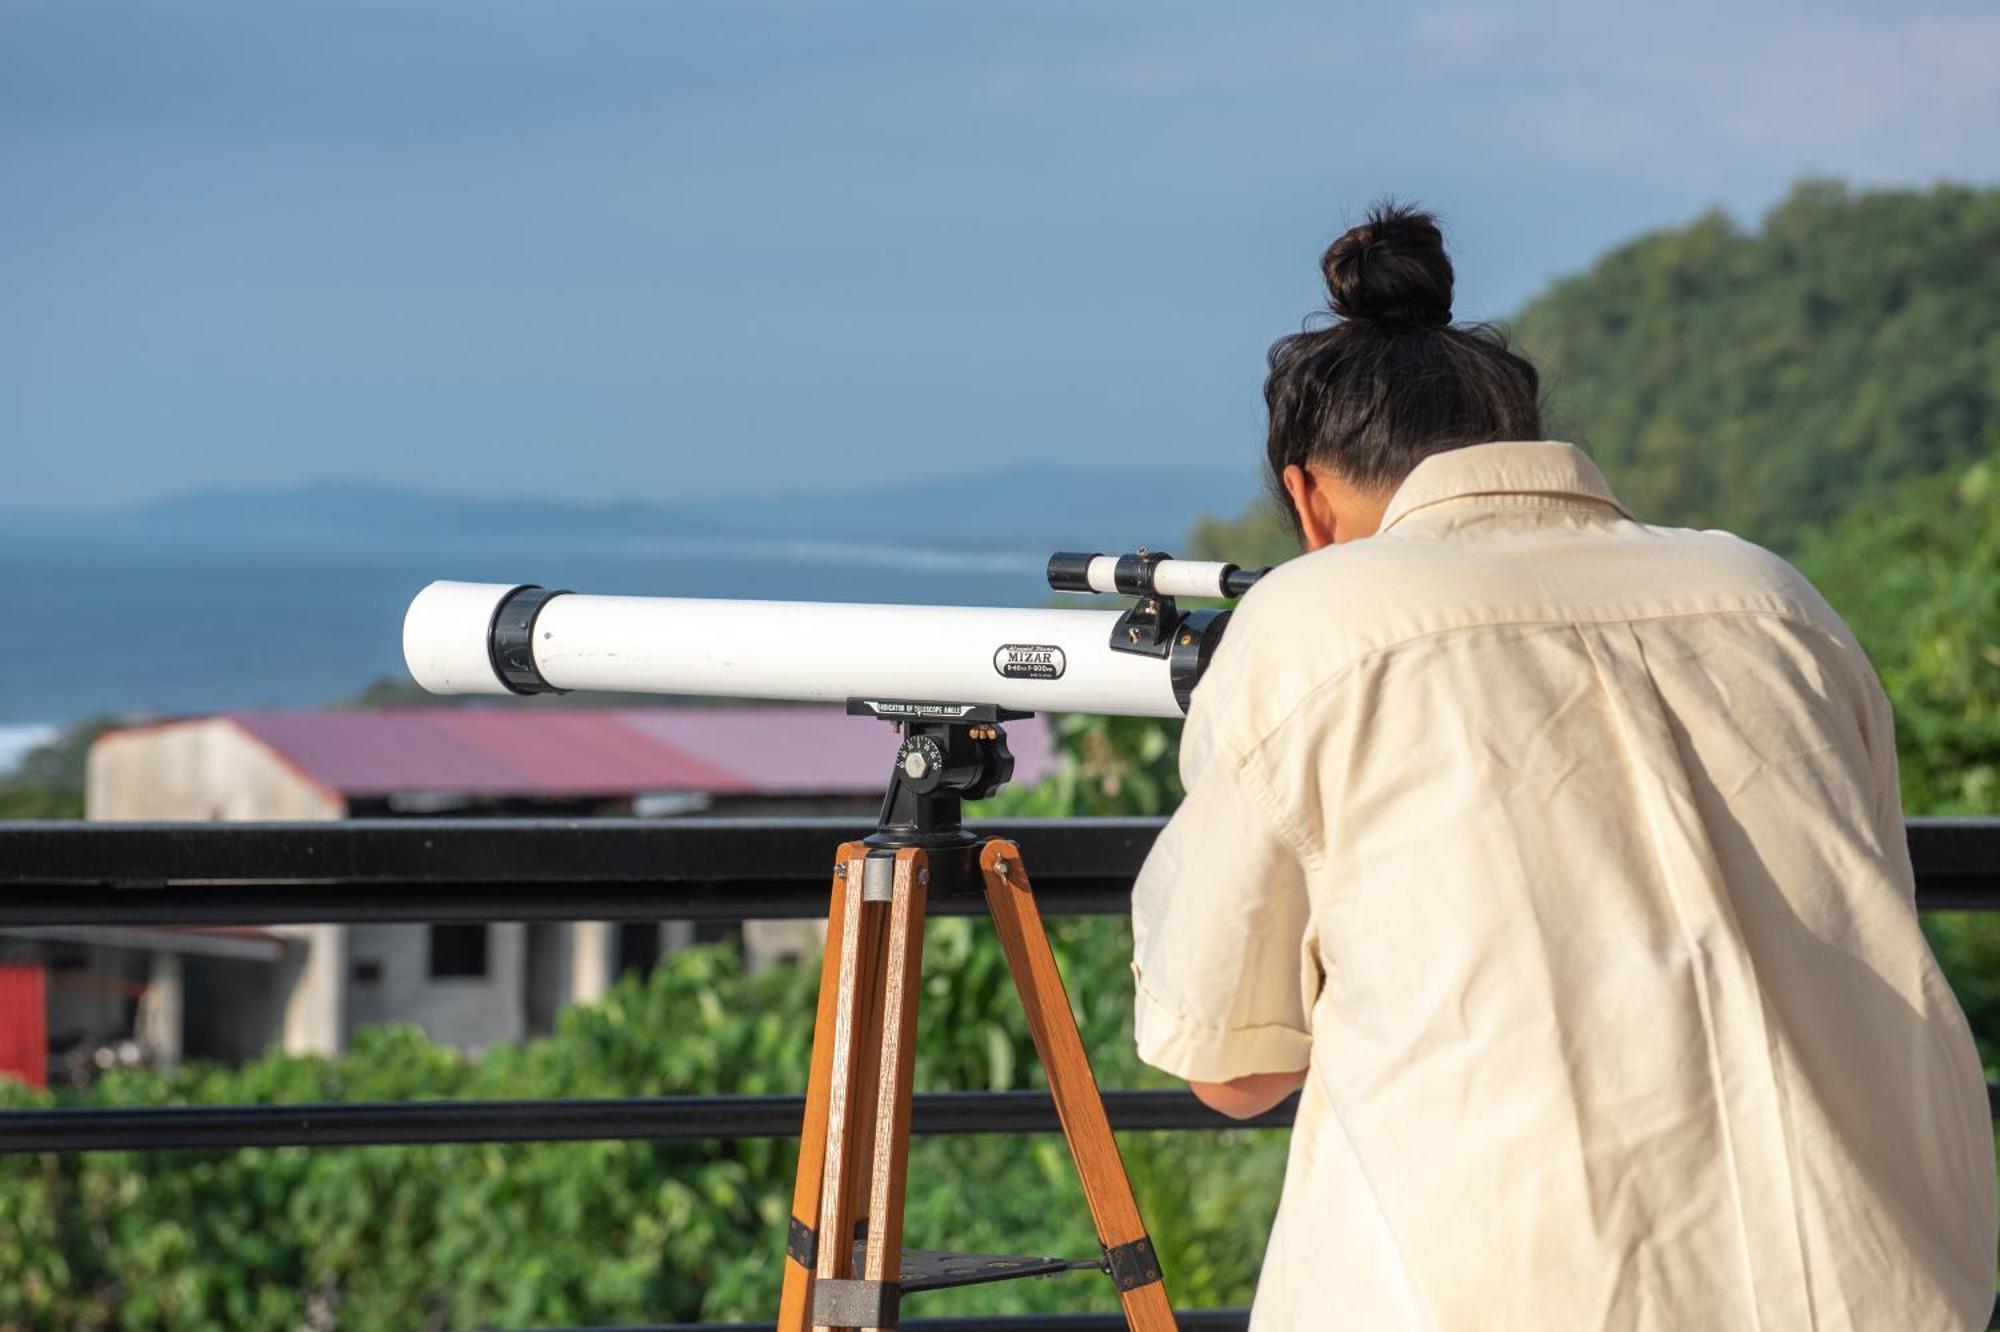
[[472, 638]]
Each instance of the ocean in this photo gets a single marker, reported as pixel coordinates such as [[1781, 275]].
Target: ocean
[[163, 625]]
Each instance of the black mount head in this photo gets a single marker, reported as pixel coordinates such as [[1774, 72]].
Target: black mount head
[[951, 753]]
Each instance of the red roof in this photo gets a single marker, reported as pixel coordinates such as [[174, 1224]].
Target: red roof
[[785, 751]]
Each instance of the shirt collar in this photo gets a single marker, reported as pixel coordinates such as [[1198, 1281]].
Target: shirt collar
[[1540, 467]]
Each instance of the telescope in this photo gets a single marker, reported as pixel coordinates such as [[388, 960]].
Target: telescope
[[898, 662], [948, 677]]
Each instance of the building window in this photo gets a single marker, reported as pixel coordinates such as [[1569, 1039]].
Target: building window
[[458, 951]]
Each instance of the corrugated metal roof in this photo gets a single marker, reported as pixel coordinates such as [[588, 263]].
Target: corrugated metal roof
[[554, 752]]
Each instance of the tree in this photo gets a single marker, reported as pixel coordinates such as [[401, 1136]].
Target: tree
[[49, 782], [1918, 578]]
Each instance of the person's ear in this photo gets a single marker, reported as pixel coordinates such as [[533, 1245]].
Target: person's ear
[[1313, 503]]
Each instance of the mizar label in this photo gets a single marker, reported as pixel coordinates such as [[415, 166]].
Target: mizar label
[[1029, 661]]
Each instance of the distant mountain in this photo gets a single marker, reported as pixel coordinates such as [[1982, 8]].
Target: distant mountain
[[1019, 507]]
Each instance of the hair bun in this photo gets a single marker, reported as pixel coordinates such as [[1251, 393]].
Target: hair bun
[[1391, 267]]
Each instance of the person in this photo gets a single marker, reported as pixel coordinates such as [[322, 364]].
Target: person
[[1559, 860]]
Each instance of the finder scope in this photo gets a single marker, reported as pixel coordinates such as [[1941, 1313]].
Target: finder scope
[[1148, 573], [907, 662]]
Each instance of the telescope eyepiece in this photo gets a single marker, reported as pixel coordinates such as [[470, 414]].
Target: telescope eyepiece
[[1069, 571]]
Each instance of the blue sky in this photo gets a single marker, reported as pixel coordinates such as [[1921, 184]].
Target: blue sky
[[670, 249]]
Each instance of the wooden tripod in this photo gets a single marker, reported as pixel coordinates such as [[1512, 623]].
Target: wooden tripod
[[844, 1263]]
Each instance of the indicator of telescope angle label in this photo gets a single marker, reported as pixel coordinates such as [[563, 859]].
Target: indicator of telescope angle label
[[1029, 661], [894, 708]]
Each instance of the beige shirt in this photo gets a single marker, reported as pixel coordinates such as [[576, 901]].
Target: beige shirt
[[1566, 853]]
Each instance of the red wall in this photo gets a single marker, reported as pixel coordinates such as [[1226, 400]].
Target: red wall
[[24, 1023]]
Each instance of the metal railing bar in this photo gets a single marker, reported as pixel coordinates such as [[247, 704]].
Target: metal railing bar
[[487, 851], [657, 1118], [25, 905], [1189, 1320], [616, 869], [662, 1118], [642, 850]]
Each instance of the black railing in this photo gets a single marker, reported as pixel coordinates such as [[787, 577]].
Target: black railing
[[696, 869]]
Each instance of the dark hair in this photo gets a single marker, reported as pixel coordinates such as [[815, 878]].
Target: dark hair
[[1392, 382]]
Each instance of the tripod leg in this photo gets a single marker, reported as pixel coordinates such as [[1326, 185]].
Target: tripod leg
[[902, 984], [867, 1061], [1134, 1268], [796, 1302], [844, 1152]]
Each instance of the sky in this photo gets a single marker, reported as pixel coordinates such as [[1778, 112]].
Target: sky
[[667, 250]]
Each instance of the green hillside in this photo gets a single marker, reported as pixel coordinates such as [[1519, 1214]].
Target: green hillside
[[1767, 380]]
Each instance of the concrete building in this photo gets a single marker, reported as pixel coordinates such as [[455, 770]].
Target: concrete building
[[92, 997], [304, 989]]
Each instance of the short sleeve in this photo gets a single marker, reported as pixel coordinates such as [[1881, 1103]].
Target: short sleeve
[[1219, 922]]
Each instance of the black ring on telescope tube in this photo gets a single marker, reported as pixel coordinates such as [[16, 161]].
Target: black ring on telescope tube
[[1133, 574], [1194, 644], [510, 639]]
